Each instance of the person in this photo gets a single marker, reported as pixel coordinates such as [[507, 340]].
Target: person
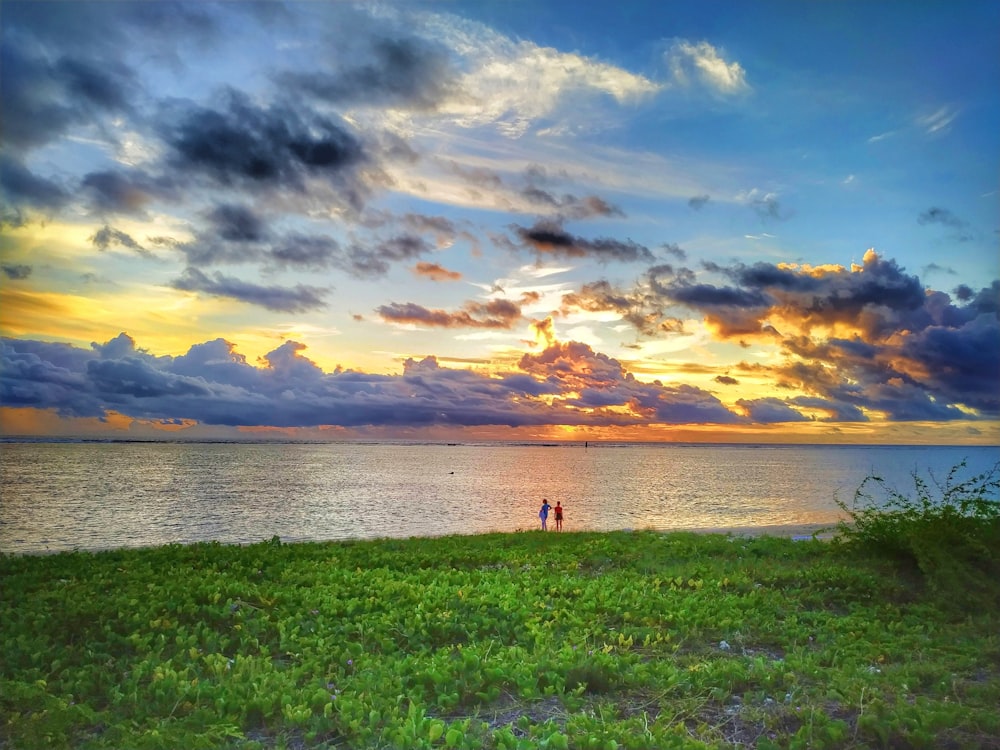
[[544, 514], [558, 509]]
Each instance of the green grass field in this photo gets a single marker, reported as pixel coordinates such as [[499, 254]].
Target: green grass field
[[572, 640]]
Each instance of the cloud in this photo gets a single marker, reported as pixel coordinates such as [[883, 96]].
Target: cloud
[[118, 192], [246, 145], [44, 96], [726, 380], [881, 136], [237, 223], [309, 252], [496, 314], [301, 298], [943, 216], [405, 71], [935, 268], [770, 410], [675, 250], [513, 85], [435, 272], [938, 121], [703, 63], [549, 238], [16, 271], [835, 411], [640, 310], [566, 384], [765, 205], [866, 339], [410, 64], [602, 382], [106, 237], [569, 206], [22, 189], [364, 261], [698, 202]]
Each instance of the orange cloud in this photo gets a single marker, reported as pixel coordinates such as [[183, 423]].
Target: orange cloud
[[435, 272]]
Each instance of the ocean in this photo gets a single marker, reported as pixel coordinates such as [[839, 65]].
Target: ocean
[[99, 495]]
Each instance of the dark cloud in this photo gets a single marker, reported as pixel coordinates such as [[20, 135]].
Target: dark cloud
[[698, 202], [407, 71], [126, 192], [935, 268], [300, 298], [24, 190], [767, 275], [914, 353], [934, 215], [568, 206], [550, 238], [373, 261], [768, 208], [943, 216], [770, 410], [237, 223], [243, 144], [835, 412], [105, 86], [237, 234], [726, 380], [106, 237], [878, 297], [707, 297], [959, 364], [442, 229], [675, 250], [43, 97], [639, 310], [496, 314], [310, 252], [16, 271], [566, 384], [162, 26]]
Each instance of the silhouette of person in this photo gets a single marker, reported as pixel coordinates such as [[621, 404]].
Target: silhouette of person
[[559, 511], [544, 514]]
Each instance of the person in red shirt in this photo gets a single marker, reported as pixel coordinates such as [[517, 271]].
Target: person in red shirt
[[558, 509]]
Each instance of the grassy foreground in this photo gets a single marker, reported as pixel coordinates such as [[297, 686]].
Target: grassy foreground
[[573, 640]]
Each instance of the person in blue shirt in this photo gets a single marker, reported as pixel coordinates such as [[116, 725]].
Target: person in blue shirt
[[544, 514]]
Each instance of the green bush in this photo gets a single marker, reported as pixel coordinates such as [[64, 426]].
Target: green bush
[[947, 530]]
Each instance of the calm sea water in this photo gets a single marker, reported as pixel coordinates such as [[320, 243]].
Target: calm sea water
[[62, 496]]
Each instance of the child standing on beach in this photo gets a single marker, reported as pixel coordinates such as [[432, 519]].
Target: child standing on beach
[[544, 514], [558, 509]]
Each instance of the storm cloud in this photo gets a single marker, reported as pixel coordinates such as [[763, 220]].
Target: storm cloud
[[567, 384]]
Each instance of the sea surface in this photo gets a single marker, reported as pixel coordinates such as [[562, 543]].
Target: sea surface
[[99, 495]]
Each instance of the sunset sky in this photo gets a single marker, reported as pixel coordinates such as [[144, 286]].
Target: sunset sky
[[697, 221]]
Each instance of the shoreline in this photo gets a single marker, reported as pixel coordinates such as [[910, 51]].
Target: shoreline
[[798, 532]]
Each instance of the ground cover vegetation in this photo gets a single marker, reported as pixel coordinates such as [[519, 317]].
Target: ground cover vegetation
[[515, 641]]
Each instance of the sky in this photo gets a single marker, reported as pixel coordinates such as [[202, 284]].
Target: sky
[[547, 220]]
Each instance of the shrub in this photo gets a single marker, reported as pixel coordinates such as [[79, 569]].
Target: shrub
[[947, 530]]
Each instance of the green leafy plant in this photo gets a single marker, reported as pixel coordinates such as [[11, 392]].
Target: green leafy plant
[[517, 641], [948, 530]]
